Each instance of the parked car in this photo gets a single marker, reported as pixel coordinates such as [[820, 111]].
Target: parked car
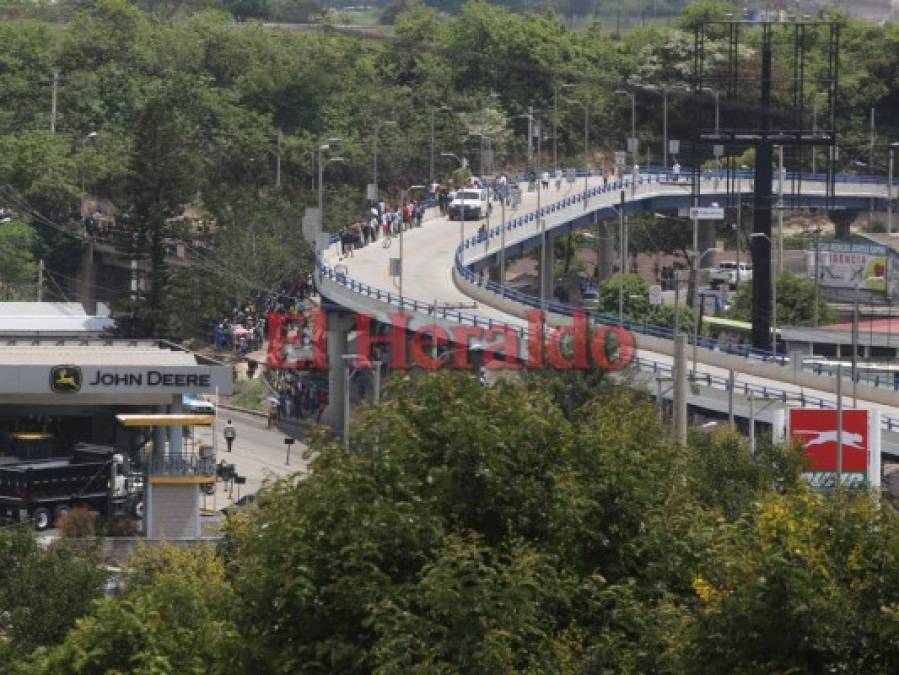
[[470, 204], [726, 273]]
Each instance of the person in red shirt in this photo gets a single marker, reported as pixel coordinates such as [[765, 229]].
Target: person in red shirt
[[407, 215]]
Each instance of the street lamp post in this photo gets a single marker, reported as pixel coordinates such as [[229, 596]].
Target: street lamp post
[[697, 310], [403, 194], [378, 125], [443, 108], [893, 147], [90, 136], [321, 184], [665, 130], [633, 150], [456, 157], [586, 106], [541, 222]]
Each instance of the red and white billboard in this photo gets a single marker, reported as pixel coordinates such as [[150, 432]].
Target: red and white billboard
[[816, 430]]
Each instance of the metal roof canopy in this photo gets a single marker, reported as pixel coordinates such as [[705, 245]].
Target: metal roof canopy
[[175, 420]]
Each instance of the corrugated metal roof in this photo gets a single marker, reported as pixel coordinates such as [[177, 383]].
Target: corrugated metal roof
[[32, 318], [93, 355]]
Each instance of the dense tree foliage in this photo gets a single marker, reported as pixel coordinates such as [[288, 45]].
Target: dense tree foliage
[[795, 303], [160, 108], [475, 529]]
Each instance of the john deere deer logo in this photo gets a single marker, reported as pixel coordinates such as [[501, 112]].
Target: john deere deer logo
[[65, 379]]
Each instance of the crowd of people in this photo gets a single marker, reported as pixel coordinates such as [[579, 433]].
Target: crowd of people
[[382, 220]]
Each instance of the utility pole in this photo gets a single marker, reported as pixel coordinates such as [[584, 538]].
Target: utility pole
[[780, 210], [53, 97], [665, 130], [278, 159], [680, 390], [40, 280], [621, 263], [839, 424], [555, 128], [855, 349], [871, 168], [817, 272], [893, 147]]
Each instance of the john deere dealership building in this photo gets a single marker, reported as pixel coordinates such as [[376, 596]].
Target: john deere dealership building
[[125, 393]]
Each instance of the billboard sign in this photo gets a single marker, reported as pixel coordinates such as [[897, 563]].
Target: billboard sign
[[707, 213], [846, 264], [816, 430]]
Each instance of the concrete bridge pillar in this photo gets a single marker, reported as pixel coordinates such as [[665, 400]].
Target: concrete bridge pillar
[[706, 240], [337, 334], [604, 251], [548, 272]]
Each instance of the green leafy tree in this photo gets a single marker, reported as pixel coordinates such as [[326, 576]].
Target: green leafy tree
[[175, 616], [795, 303], [43, 591], [18, 270]]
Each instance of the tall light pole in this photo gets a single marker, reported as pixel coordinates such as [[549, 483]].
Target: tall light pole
[[556, 91], [378, 125], [871, 167], [715, 93], [780, 210], [893, 147], [586, 106], [321, 185], [697, 310], [541, 221], [665, 130], [90, 136], [632, 141], [461, 162], [435, 110], [815, 131], [403, 194]]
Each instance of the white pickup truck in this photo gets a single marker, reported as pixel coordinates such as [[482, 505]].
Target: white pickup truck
[[470, 204], [726, 273]]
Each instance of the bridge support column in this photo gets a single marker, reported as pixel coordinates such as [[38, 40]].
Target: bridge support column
[[494, 274], [549, 272], [604, 251], [339, 326], [706, 241]]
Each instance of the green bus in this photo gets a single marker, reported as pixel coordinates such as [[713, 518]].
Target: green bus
[[729, 331]]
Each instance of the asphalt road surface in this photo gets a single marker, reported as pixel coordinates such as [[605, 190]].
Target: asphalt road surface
[[258, 453]]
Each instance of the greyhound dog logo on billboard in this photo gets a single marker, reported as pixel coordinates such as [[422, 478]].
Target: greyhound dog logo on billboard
[[816, 430]]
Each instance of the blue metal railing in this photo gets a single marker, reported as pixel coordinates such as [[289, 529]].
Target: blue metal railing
[[641, 328]]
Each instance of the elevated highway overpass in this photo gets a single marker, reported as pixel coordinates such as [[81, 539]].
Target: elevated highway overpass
[[444, 285]]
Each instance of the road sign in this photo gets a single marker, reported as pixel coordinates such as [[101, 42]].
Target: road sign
[[816, 430], [371, 192], [633, 145], [394, 267], [620, 159], [655, 295], [707, 213], [673, 147]]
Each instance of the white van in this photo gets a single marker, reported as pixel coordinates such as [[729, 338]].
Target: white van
[[726, 273]]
